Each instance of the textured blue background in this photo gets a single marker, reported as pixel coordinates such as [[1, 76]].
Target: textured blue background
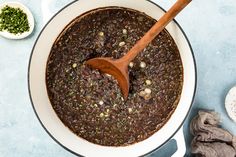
[[210, 26]]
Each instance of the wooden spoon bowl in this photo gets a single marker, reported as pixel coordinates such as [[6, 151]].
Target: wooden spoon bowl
[[116, 68]]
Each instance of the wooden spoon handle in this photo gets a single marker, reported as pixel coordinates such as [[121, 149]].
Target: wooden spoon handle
[[154, 31]]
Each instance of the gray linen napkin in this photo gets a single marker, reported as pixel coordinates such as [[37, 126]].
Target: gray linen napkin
[[209, 139]]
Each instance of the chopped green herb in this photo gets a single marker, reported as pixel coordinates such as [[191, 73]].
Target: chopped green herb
[[13, 20]]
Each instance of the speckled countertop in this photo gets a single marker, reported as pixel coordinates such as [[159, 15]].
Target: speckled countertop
[[210, 26]]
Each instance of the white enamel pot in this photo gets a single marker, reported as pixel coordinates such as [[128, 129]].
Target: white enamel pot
[[61, 134]]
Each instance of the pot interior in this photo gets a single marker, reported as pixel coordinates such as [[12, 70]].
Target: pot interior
[[47, 115]]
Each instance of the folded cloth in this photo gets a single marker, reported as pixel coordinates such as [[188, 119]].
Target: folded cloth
[[214, 149], [210, 140]]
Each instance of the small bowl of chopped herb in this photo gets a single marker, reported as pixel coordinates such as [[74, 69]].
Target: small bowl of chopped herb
[[16, 20]]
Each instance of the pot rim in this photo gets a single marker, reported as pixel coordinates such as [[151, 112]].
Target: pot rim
[[30, 95]]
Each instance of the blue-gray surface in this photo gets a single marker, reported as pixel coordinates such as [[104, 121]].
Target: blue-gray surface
[[210, 26]]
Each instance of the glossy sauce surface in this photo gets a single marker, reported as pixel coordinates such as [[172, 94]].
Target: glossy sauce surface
[[90, 103]]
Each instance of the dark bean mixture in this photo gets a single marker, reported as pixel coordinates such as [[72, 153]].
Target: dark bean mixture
[[90, 103]]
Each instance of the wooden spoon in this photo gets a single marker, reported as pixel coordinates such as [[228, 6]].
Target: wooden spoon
[[119, 68]]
